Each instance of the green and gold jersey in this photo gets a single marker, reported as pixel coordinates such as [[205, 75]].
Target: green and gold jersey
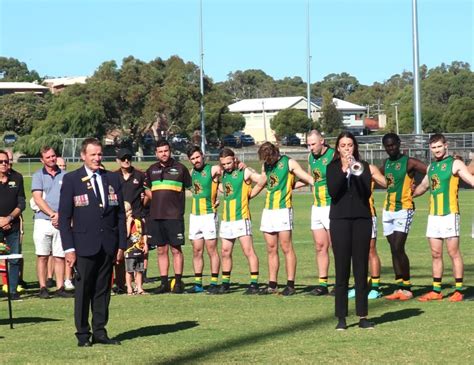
[[236, 196], [444, 187], [399, 194], [318, 170], [204, 190], [279, 184]]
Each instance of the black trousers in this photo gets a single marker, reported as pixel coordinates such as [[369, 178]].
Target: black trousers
[[351, 240], [92, 290]]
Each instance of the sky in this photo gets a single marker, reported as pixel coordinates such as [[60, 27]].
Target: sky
[[369, 39]]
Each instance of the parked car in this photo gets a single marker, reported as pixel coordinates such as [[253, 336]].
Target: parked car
[[290, 140], [247, 140], [9, 139], [179, 138], [232, 141]]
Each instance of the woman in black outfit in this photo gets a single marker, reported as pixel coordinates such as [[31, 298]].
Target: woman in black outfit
[[351, 227]]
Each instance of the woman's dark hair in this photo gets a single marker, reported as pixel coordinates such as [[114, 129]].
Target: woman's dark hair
[[347, 134]]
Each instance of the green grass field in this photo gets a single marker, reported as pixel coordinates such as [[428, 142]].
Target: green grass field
[[235, 328]]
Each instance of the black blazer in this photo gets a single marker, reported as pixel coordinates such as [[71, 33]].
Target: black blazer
[[348, 200], [83, 224]]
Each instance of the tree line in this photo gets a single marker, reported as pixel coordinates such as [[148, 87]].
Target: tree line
[[163, 96]]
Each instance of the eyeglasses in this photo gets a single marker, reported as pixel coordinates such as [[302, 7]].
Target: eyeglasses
[[4, 162], [126, 158]]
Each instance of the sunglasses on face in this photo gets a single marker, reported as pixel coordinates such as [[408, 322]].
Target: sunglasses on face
[[126, 158], [4, 162]]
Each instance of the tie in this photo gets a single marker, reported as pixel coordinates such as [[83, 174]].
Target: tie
[[97, 190]]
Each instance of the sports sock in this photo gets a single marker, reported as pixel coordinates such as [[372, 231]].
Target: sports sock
[[226, 278], [459, 284], [214, 278], [399, 281], [437, 285], [254, 278], [290, 283], [164, 279], [178, 277], [323, 281], [406, 284], [375, 280], [272, 284], [198, 279]]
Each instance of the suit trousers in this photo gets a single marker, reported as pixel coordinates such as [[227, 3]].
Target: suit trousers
[[351, 240], [93, 290]]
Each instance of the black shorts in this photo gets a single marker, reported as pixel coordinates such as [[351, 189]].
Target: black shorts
[[166, 232]]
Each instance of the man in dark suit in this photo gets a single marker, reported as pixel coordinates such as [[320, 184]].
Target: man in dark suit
[[93, 234]]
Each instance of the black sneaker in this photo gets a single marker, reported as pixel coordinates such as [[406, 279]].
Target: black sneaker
[[319, 291], [178, 287], [251, 290], [341, 325], [118, 291], [267, 291], [15, 296], [50, 283], [224, 289], [288, 291], [366, 324], [43, 293], [63, 293], [163, 288], [212, 290]]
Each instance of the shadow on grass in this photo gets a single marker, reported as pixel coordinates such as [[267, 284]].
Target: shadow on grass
[[156, 330], [23, 320], [395, 316], [200, 355]]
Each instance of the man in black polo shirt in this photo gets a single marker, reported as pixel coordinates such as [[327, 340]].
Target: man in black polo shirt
[[133, 190], [12, 203], [166, 181]]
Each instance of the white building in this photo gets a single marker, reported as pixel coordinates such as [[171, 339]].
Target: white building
[[259, 112], [22, 88], [60, 83]]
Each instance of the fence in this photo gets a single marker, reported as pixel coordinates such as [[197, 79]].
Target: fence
[[370, 148]]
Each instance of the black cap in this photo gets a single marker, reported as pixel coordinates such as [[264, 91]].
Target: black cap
[[124, 152]]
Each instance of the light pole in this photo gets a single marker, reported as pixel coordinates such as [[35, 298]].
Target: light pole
[[396, 114], [308, 55], [416, 69], [201, 80]]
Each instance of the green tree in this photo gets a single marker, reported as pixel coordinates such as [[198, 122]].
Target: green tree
[[331, 119], [19, 112], [13, 70], [290, 121], [459, 117]]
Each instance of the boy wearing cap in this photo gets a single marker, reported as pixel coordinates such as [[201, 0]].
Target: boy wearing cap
[[132, 180]]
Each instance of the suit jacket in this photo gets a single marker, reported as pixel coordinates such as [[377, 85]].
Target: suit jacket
[[349, 198], [85, 225]]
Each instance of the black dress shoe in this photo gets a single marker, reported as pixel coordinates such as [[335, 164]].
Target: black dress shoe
[[84, 343], [104, 340]]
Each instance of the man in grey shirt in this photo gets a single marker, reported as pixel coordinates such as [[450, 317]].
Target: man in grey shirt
[[45, 188]]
